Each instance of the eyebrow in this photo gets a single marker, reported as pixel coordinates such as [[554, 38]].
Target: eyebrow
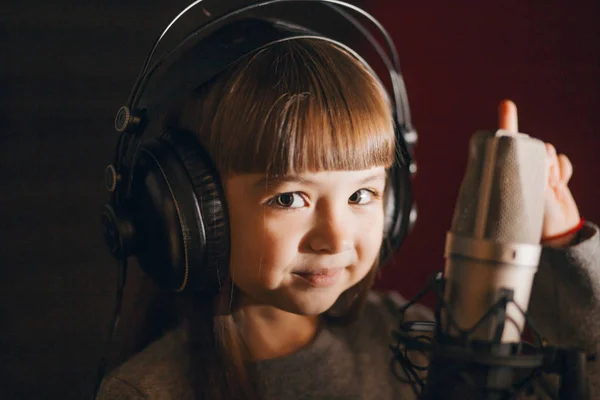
[[278, 180]]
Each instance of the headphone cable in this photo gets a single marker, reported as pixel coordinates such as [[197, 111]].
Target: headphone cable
[[122, 277]]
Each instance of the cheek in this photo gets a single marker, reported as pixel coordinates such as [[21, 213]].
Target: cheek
[[261, 249], [370, 238]]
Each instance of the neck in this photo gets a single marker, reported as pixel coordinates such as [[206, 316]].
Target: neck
[[271, 333]]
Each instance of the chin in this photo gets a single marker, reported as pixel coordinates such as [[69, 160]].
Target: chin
[[310, 303]]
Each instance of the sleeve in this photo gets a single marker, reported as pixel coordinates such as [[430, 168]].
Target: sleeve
[[113, 388], [565, 300]]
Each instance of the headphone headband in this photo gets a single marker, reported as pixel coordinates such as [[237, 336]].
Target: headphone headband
[[191, 68], [148, 94], [336, 5], [167, 206]]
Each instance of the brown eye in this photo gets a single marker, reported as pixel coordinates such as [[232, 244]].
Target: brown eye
[[362, 196], [288, 200]]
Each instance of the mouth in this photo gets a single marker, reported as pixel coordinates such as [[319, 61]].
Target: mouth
[[320, 277]]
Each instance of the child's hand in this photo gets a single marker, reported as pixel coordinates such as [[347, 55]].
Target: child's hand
[[560, 211]]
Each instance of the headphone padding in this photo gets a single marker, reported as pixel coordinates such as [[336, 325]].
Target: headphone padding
[[213, 208]]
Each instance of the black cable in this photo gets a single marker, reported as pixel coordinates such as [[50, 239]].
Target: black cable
[[122, 278], [547, 388], [405, 342]]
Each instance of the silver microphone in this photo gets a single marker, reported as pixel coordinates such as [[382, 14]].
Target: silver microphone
[[494, 241], [492, 255]]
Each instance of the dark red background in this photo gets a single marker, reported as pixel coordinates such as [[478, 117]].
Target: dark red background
[[459, 60], [67, 66]]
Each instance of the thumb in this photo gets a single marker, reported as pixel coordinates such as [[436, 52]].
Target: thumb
[[507, 116]]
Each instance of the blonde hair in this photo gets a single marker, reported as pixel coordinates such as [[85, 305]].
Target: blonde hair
[[295, 106]]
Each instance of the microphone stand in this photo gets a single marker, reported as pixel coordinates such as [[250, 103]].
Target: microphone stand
[[461, 367]]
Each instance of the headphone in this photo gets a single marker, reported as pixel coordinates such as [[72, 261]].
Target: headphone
[[167, 205]]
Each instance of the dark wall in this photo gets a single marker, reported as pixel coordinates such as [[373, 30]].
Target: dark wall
[[460, 59], [67, 67]]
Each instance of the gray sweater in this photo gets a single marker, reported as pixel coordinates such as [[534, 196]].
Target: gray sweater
[[353, 362]]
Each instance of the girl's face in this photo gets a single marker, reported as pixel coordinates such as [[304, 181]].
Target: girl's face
[[297, 243]]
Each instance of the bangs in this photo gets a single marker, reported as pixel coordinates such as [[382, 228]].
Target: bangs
[[301, 105]]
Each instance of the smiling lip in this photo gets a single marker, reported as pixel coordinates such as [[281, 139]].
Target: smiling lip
[[321, 278]]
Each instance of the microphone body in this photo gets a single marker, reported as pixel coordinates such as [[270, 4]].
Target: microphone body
[[492, 253]]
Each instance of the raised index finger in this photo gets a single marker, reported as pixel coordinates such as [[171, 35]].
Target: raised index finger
[[507, 116]]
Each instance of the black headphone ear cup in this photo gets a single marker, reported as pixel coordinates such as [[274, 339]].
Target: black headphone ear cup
[[399, 212], [213, 218], [117, 230]]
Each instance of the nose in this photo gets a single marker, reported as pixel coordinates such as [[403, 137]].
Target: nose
[[333, 230]]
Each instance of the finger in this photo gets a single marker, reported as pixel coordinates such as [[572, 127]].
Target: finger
[[507, 116], [566, 168], [553, 172]]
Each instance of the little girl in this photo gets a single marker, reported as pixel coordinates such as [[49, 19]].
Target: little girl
[[302, 135]]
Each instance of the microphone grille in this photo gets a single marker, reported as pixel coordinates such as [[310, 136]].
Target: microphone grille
[[502, 194]]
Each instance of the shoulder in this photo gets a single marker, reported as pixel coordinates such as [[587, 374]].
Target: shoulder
[[159, 371], [115, 388]]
